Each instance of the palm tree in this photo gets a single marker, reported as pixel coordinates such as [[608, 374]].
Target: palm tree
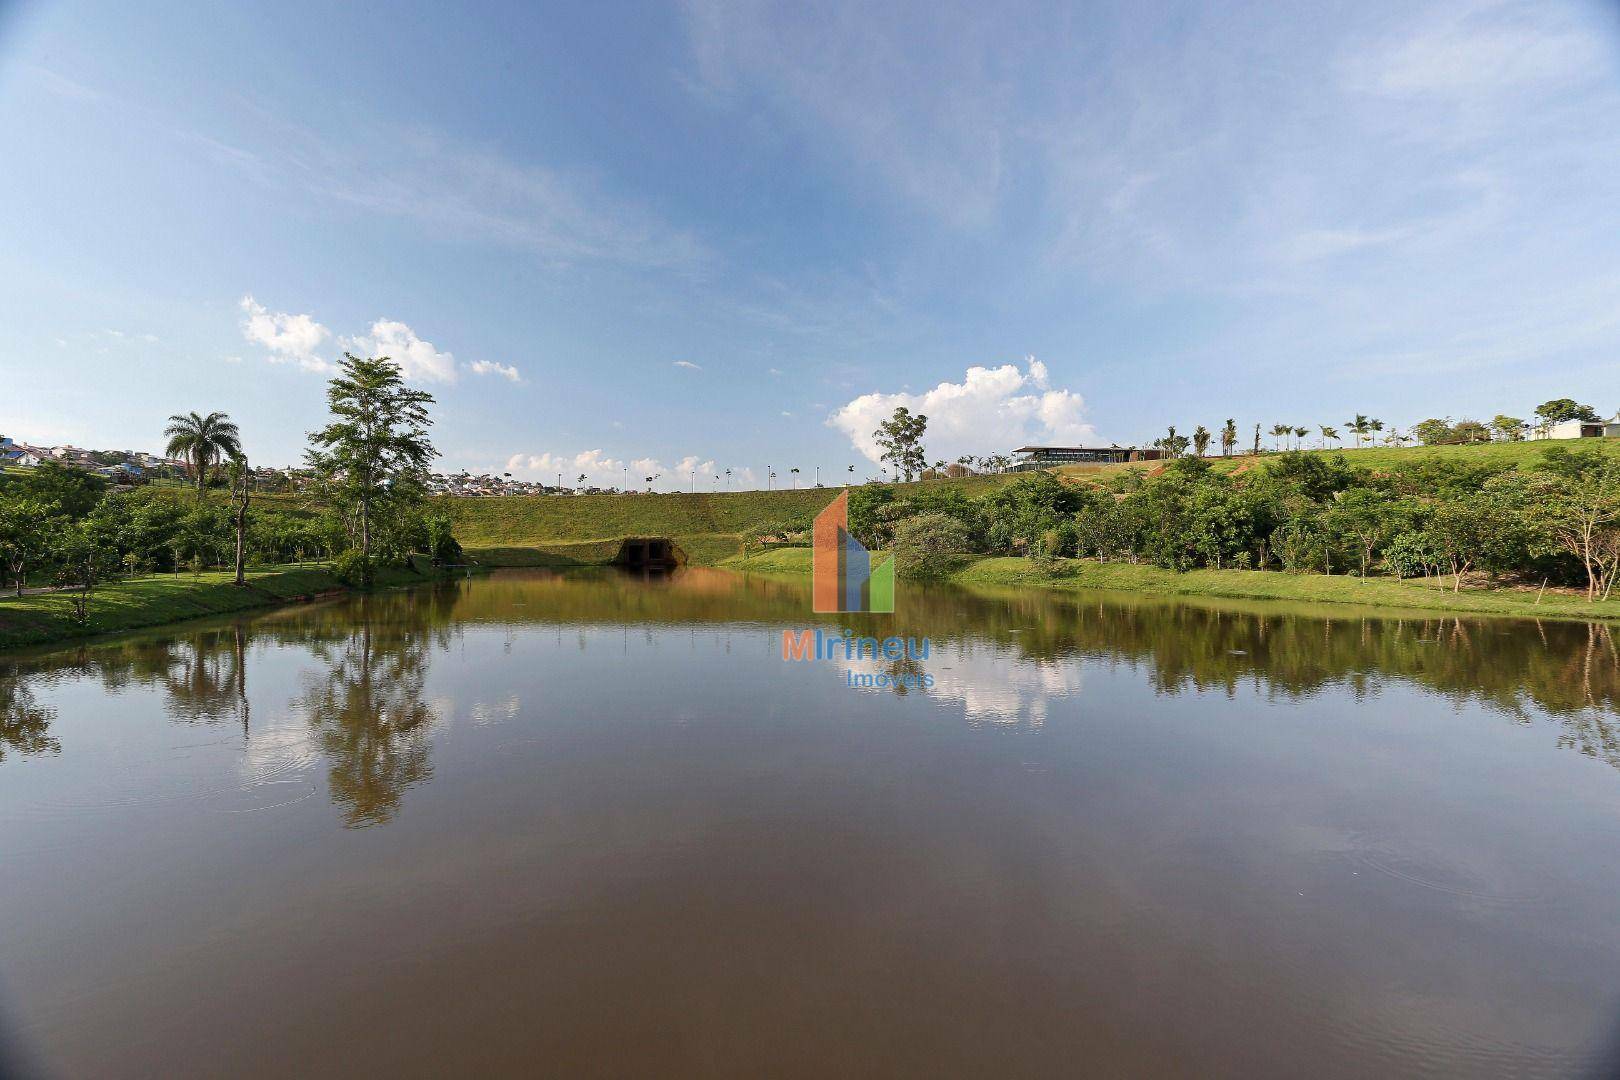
[[1360, 426], [1300, 433], [1329, 433], [1201, 439], [1396, 437], [1279, 430], [1174, 445], [1228, 438], [1376, 426], [203, 441], [795, 473]]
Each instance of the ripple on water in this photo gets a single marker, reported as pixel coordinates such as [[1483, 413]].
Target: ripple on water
[[1421, 1035], [1436, 873]]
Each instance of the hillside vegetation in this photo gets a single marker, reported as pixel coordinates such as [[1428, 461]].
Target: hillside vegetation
[[709, 526], [1517, 454], [1079, 575]]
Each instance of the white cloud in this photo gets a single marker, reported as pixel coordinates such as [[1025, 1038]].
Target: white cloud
[[150, 339], [296, 338], [990, 410], [688, 365], [418, 359], [288, 338], [703, 467], [489, 367]]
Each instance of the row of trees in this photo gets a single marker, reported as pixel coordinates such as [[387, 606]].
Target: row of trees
[[1368, 429], [1558, 522], [65, 527]]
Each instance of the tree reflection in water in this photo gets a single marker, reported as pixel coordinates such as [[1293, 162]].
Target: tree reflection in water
[[368, 709], [25, 725]]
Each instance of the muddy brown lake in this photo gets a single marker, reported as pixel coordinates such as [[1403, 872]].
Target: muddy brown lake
[[594, 824]]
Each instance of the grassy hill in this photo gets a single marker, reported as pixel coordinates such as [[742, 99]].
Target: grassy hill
[[1382, 457], [522, 530], [584, 529]]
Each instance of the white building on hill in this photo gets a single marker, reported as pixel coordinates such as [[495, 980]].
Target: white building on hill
[[1579, 429]]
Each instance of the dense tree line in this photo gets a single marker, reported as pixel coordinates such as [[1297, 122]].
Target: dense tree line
[[69, 528], [1442, 519]]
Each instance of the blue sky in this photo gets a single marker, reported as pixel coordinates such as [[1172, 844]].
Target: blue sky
[[624, 238]]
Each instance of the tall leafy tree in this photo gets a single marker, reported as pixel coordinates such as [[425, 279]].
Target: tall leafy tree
[[900, 436], [26, 528], [202, 441], [1359, 427], [1200, 438], [1559, 410], [1508, 427], [1228, 438], [374, 454]]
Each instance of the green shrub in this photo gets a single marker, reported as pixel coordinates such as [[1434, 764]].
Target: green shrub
[[928, 545], [353, 568]]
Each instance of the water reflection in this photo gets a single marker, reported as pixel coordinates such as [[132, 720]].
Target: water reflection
[[24, 723], [609, 809], [371, 719], [363, 693]]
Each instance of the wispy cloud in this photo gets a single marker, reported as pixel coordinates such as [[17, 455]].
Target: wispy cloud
[[864, 83], [475, 193], [688, 365], [460, 190]]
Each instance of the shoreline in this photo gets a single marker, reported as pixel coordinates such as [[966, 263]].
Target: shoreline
[[1079, 575], [42, 619]]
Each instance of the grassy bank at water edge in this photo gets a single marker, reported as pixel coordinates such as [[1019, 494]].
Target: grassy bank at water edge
[[1080, 574], [43, 618]]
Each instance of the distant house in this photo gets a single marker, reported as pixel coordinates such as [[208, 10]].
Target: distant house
[[1579, 429], [26, 457], [1030, 458]]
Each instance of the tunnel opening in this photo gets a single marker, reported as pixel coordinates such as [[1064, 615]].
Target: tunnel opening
[[649, 552]]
